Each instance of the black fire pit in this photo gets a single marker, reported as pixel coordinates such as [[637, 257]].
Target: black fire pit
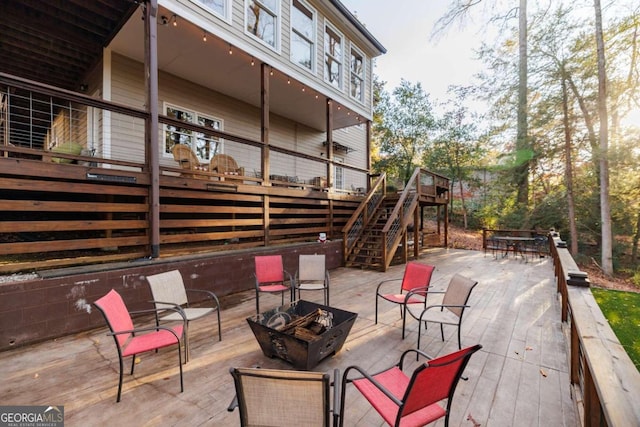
[[325, 332]]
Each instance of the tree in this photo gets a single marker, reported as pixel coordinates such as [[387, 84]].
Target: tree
[[456, 149], [458, 11], [603, 160], [402, 132]]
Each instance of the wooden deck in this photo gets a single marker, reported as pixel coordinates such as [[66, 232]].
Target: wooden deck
[[520, 377]]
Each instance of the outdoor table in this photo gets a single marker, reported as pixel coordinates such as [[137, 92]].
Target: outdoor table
[[515, 244]]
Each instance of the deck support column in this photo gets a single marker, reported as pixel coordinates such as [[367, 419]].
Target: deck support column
[[151, 131]]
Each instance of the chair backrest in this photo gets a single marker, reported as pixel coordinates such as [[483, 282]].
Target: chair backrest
[[185, 156], [436, 380], [416, 275], [458, 293], [269, 269], [168, 287], [271, 397], [311, 268], [223, 163], [116, 314]]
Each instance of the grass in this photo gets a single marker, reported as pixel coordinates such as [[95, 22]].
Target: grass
[[622, 310]]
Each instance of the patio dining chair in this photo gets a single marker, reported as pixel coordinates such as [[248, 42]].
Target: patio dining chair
[[271, 277], [450, 311], [168, 292], [131, 341], [284, 398], [312, 275], [415, 399], [416, 280]]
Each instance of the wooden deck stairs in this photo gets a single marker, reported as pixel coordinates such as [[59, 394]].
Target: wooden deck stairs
[[379, 227], [368, 249]]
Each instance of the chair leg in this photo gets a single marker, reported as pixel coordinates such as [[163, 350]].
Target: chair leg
[[459, 340], [133, 363], [219, 326], [376, 309], [442, 331], [120, 381], [180, 365], [257, 302]]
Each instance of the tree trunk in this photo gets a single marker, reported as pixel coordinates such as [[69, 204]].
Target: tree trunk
[[523, 149], [636, 238], [568, 170], [464, 208], [603, 154]]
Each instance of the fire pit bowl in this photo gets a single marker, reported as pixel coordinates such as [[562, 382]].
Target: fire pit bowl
[[300, 334]]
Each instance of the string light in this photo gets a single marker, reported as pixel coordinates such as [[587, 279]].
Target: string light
[[175, 20], [253, 62], [230, 50], [204, 36]]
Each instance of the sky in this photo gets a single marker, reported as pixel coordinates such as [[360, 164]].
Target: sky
[[404, 28]]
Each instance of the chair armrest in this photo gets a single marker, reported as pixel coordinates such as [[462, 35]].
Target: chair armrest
[[146, 329], [385, 281], [174, 307], [209, 293], [413, 350], [422, 291], [373, 381], [442, 307]]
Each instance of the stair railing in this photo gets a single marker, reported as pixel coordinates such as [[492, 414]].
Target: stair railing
[[359, 221], [399, 219]]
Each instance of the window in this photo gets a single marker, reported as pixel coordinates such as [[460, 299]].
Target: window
[[338, 174], [333, 57], [302, 35], [357, 75], [219, 7], [262, 20], [205, 146]]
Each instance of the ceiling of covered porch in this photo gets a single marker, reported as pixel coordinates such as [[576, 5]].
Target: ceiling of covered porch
[[59, 43]]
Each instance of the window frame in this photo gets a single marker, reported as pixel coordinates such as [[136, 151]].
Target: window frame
[[226, 15], [362, 78], [329, 27], [338, 173], [191, 135], [314, 40], [276, 14]]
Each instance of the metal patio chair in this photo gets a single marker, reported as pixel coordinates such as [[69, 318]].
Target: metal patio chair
[[284, 398], [450, 311], [168, 292], [413, 288], [415, 399], [131, 341], [271, 277], [312, 275]]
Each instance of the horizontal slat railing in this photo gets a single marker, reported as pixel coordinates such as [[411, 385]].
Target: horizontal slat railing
[[607, 381]]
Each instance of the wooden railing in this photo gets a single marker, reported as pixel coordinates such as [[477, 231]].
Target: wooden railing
[[606, 381], [397, 222], [361, 217], [96, 207]]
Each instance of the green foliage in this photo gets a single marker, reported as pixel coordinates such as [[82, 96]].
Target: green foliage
[[622, 310]]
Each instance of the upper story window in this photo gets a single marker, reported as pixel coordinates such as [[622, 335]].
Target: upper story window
[[262, 20], [218, 7], [333, 57], [205, 146], [302, 34], [357, 75]]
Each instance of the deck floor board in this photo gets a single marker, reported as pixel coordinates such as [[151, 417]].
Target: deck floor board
[[520, 377]]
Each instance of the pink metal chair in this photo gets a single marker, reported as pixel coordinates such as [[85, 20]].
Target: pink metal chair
[[271, 277], [127, 338], [414, 400], [413, 288]]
